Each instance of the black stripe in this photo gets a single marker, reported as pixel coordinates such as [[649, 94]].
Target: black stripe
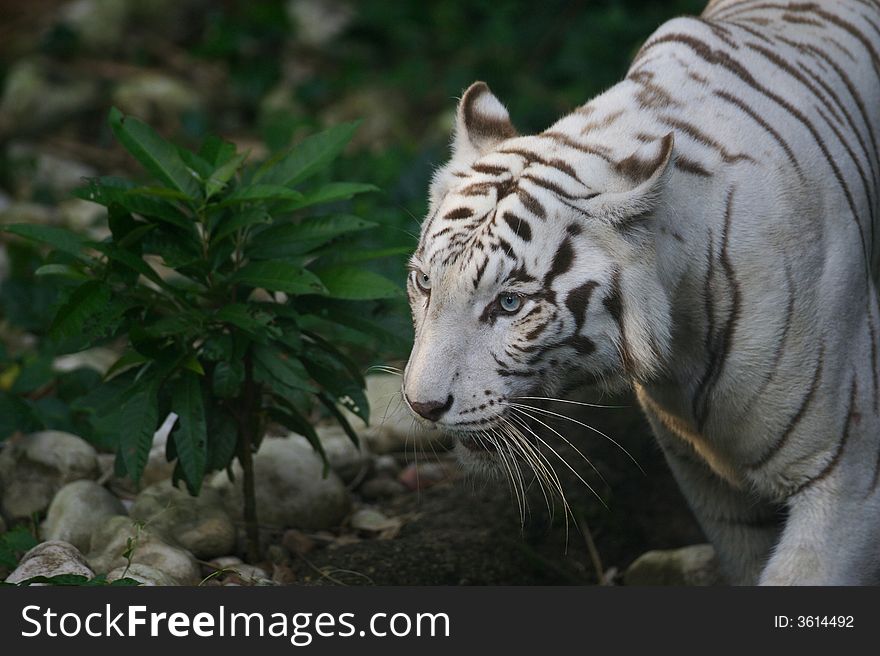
[[796, 418], [851, 416]]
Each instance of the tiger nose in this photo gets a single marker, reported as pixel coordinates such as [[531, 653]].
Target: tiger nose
[[431, 410]]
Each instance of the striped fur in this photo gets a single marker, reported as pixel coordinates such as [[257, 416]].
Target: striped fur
[[706, 232]]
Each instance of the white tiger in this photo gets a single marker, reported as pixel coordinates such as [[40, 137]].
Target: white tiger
[[704, 231]]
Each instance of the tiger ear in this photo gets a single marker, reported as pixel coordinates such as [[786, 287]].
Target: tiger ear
[[481, 123], [639, 179]]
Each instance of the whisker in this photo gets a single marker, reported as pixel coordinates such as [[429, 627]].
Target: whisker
[[588, 405], [563, 438], [580, 423], [565, 462]]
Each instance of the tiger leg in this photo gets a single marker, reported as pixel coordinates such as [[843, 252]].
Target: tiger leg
[[831, 536], [742, 529]]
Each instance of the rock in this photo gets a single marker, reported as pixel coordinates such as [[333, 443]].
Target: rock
[[239, 573], [386, 465], [155, 98], [391, 426], [692, 565], [318, 22], [77, 510], [199, 524], [37, 93], [100, 25], [50, 559], [346, 459], [423, 475], [381, 487], [33, 468], [297, 542], [27, 213], [85, 217], [371, 520], [119, 534], [147, 575], [290, 489], [60, 175]]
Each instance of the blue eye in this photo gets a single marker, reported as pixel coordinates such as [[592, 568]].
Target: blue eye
[[510, 302], [423, 280]]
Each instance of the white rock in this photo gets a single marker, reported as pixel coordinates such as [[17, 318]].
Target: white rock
[[99, 24], [290, 490], [155, 97], [372, 521], [200, 524], [346, 459], [318, 22], [147, 575], [60, 174], [35, 467], [50, 559], [77, 510], [119, 534], [692, 565]]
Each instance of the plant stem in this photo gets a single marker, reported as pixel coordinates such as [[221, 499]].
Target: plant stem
[[247, 422]]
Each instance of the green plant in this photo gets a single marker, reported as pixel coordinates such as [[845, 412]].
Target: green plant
[[220, 278]]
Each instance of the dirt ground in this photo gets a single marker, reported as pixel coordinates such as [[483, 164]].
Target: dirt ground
[[463, 532]]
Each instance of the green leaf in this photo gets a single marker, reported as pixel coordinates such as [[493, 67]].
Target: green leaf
[[155, 154], [281, 372], [308, 157], [288, 239], [238, 315], [224, 438], [87, 301], [289, 417], [355, 284], [135, 263], [200, 167], [259, 192], [128, 360], [59, 238], [334, 377], [329, 193], [280, 276], [227, 379], [327, 402], [353, 369], [223, 174], [63, 270], [216, 151], [135, 420], [190, 436], [16, 415], [238, 221], [110, 190], [13, 544]]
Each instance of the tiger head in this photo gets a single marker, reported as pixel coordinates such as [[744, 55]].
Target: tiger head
[[534, 273]]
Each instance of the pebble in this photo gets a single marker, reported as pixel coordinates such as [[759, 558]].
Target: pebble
[[48, 559], [33, 468], [694, 565], [77, 510]]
